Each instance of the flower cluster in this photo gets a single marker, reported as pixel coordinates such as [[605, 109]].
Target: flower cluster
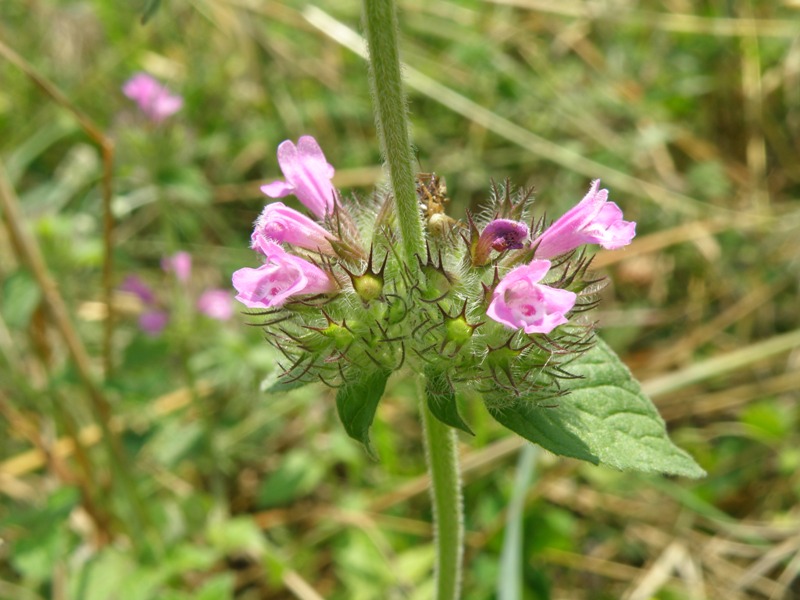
[[215, 303], [492, 303]]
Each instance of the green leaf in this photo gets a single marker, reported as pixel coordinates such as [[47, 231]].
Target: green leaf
[[357, 402], [441, 399], [606, 418], [298, 474]]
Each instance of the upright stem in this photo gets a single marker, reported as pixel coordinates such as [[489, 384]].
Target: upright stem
[[391, 118], [448, 510]]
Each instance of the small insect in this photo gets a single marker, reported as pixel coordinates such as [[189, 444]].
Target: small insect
[[432, 196]]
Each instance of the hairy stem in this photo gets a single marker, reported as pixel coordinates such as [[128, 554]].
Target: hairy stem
[[448, 511], [391, 118]]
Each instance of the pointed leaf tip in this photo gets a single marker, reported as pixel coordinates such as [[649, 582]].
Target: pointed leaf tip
[[441, 398], [605, 419], [356, 403]]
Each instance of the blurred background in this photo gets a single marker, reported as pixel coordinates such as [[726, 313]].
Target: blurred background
[[139, 455]]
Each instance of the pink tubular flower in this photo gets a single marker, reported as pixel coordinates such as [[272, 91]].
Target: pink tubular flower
[[308, 176], [280, 223], [216, 303], [153, 99], [499, 235], [280, 278], [593, 220], [180, 264], [504, 234], [520, 302]]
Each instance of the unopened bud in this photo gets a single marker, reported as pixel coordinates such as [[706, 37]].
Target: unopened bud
[[368, 286], [458, 330], [341, 336]]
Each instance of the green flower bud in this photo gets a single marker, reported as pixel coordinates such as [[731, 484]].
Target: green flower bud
[[341, 336], [368, 286], [458, 330]]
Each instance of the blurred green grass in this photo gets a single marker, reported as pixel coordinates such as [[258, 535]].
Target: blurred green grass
[[690, 114]]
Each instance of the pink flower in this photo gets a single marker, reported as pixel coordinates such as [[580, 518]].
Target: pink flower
[[593, 220], [216, 303], [308, 176], [134, 285], [499, 235], [280, 223], [180, 264], [283, 276], [153, 99], [520, 302], [153, 322], [504, 234]]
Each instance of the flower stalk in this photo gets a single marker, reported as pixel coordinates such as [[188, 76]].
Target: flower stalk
[[441, 452], [391, 118]]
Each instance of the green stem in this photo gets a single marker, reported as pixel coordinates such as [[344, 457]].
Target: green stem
[[448, 511], [391, 118]]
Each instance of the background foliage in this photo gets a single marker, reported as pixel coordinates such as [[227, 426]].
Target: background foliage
[[204, 486]]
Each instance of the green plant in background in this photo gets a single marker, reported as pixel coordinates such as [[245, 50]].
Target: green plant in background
[[490, 305]]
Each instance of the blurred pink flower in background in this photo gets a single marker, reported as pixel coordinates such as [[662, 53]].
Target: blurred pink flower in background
[[213, 302], [154, 100], [153, 322], [180, 264], [216, 303], [138, 288]]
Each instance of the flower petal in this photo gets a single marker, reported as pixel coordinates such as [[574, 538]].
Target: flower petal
[[520, 302], [593, 220]]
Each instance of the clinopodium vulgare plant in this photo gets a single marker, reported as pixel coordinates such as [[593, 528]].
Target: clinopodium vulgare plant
[[494, 305]]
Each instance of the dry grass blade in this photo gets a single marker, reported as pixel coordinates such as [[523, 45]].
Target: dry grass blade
[[31, 460], [663, 21], [106, 146], [720, 365], [659, 573]]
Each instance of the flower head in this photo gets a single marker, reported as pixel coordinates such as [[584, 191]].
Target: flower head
[[180, 264], [216, 303], [308, 176], [283, 276], [593, 220], [280, 223], [154, 100], [520, 302]]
